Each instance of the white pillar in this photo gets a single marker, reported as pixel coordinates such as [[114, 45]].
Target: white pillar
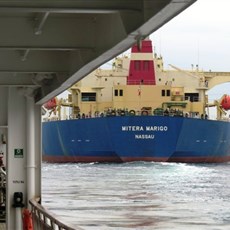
[[30, 164], [18, 218], [24, 152], [16, 156]]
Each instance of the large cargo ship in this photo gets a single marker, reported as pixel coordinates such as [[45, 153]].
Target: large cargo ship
[[138, 111]]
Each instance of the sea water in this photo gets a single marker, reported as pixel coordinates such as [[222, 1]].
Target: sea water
[[139, 195]]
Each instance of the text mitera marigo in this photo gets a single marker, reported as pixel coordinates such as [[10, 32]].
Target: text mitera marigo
[[154, 128]]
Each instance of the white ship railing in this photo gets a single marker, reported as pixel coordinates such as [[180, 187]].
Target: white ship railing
[[137, 82], [44, 219]]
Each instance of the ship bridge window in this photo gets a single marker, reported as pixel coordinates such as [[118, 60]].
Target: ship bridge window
[[192, 97], [165, 93], [118, 92], [88, 96]]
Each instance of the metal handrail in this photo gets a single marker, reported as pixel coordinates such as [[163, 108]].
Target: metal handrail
[[137, 82], [44, 219]]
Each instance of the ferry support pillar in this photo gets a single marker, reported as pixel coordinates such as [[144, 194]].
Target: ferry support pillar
[[30, 148], [23, 163]]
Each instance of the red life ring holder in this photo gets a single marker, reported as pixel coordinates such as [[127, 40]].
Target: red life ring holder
[[27, 220]]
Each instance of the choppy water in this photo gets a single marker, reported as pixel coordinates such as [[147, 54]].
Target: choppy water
[[139, 195]]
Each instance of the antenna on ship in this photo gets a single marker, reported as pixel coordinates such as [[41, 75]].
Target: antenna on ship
[[198, 55]]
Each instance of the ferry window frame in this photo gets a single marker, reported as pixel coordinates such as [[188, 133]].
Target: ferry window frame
[[88, 96]]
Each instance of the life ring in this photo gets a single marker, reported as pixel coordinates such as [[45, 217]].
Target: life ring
[[144, 113], [122, 113], [113, 113], [132, 112]]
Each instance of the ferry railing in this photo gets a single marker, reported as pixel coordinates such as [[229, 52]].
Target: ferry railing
[[44, 219], [2, 195]]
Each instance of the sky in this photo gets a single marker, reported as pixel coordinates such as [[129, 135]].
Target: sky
[[199, 35]]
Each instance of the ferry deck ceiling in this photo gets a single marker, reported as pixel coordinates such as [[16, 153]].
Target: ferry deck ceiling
[[47, 46]]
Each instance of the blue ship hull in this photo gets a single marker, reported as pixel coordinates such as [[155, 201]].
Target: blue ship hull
[[136, 138]]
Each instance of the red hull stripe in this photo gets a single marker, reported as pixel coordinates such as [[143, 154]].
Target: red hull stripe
[[67, 159]]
